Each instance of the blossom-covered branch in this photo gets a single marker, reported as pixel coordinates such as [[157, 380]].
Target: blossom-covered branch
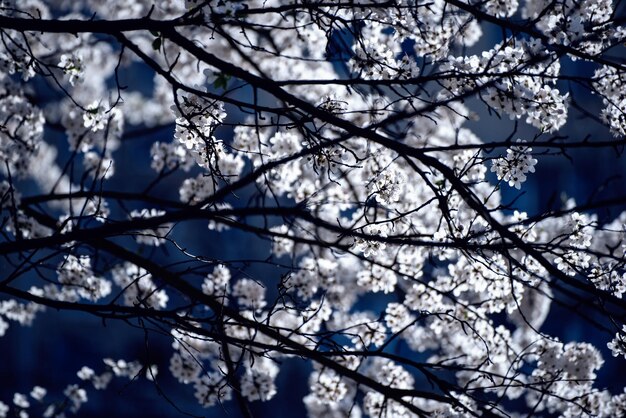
[[323, 183]]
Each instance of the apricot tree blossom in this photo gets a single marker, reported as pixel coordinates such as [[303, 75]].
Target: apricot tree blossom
[[312, 191]]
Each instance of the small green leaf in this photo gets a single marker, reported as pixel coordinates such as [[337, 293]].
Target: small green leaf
[[156, 44], [221, 81]]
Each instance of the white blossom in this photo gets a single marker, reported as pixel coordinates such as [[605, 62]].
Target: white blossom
[[514, 167]]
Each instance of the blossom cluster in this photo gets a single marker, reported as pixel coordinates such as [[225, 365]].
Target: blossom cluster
[[515, 166], [517, 80]]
